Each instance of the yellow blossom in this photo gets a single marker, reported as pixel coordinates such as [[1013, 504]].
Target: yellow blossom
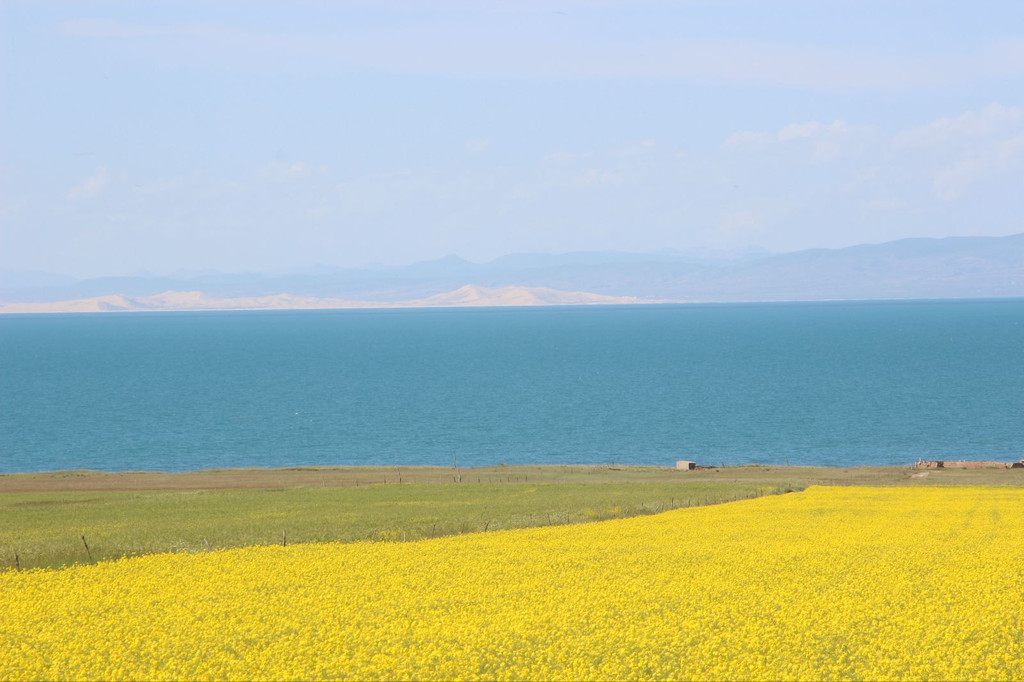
[[831, 583]]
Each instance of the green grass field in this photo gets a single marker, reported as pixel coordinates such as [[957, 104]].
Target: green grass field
[[43, 517]]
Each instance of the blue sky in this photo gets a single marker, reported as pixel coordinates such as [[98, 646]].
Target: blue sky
[[248, 136]]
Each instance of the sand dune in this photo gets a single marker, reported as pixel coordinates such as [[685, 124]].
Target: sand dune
[[467, 296]]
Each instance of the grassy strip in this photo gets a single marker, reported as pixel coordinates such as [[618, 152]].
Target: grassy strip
[[43, 517], [46, 529]]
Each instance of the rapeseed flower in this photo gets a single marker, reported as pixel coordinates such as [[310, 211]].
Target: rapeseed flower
[[877, 583]]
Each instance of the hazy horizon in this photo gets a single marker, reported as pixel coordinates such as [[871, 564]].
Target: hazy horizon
[[697, 254], [709, 255], [262, 137]]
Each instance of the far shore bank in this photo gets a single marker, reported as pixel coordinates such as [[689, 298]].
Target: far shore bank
[[351, 476]]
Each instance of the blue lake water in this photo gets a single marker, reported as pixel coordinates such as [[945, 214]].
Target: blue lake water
[[825, 383]]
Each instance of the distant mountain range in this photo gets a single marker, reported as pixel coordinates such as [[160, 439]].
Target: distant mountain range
[[954, 267]]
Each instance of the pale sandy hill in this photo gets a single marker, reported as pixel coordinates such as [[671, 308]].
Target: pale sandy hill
[[473, 295], [470, 295]]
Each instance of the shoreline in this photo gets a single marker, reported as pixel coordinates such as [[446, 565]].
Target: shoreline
[[89, 480]]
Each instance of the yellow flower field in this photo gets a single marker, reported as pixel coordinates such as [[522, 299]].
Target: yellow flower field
[[829, 583]]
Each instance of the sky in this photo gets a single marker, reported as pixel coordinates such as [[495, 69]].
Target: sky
[[246, 136]]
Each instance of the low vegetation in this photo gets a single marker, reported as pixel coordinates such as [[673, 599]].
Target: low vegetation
[[59, 519], [47, 529], [837, 583]]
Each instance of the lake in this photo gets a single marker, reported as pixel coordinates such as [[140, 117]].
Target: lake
[[817, 383]]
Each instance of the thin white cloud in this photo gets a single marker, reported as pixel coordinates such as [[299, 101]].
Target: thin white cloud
[[745, 138], [105, 28], [947, 158], [564, 158], [885, 204], [812, 129], [594, 177], [638, 148], [92, 186], [964, 149], [759, 187], [475, 48], [809, 139], [731, 223], [992, 120], [951, 182], [288, 170]]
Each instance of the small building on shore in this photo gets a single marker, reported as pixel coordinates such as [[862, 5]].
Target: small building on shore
[[686, 465], [966, 464]]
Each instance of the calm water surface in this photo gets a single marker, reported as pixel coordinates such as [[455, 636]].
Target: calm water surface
[[830, 383]]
